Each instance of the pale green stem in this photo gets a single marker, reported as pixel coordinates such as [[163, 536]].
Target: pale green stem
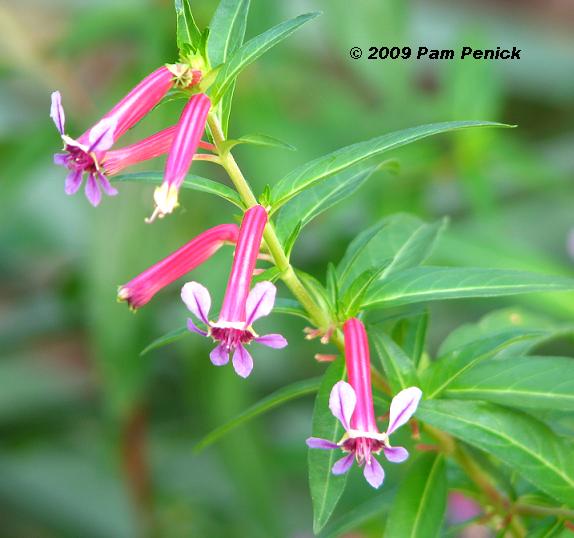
[[288, 275]]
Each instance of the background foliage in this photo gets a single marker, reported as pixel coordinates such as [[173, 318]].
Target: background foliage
[[97, 440]]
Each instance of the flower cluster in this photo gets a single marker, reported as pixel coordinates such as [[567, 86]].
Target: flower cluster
[[352, 404], [93, 155]]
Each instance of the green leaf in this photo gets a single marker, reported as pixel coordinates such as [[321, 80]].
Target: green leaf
[[529, 382], [166, 339], [188, 34], [353, 298], [449, 367], [523, 443], [500, 320], [420, 504], [307, 175], [253, 49], [277, 398], [376, 506], [291, 307], [400, 241], [227, 29], [190, 182], [227, 32], [304, 208], [326, 488], [398, 367], [257, 140], [547, 528], [410, 334], [422, 284]]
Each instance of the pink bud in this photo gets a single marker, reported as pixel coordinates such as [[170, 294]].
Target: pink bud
[[359, 371], [244, 260], [136, 104], [140, 290], [185, 143]]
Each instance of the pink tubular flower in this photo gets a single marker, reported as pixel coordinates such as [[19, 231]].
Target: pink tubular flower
[[241, 307], [352, 404], [141, 289], [186, 140], [86, 154]]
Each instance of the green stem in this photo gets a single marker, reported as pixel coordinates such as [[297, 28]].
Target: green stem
[[475, 472], [320, 318]]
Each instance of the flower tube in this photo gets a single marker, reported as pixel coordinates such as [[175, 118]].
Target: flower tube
[[242, 306], [352, 404], [86, 154], [141, 289], [186, 140]]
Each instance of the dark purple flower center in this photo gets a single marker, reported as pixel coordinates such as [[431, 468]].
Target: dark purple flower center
[[362, 447], [231, 338], [80, 160]]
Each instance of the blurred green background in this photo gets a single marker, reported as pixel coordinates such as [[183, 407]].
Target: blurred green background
[[96, 441]]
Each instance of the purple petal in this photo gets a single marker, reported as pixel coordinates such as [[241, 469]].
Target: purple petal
[[219, 356], [344, 464], [101, 136], [57, 112], [73, 182], [61, 159], [194, 328], [242, 361], [396, 454], [197, 299], [275, 341], [260, 301], [374, 473], [403, 406], [342, 402], [316, 442], [93, 193], [106, 185]]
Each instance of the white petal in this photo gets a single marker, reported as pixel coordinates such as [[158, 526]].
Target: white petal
[[197, 299], [403, 406], [342, 402], [260, 301]]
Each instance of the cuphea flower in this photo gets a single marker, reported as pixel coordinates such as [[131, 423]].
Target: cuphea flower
[[352, 404], [141, 289], [86, 154], [186, 140], [242, 306]]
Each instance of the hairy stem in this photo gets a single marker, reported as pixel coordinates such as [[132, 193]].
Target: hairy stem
[[320, 318]]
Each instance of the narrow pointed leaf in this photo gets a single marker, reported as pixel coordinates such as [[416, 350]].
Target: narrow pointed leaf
[[399, 368], [196, 183], [227, 29], [188, 35], [304, 208], [420, 504], [276, 399], [258, 140], [291, 307], [400, 241], [410, 334], [252, 50], [525, 444], [422, 284], [326, 488], [307, 175], [502, 320], [524, 382], [449, 367], [227, 32], [166, 339]]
